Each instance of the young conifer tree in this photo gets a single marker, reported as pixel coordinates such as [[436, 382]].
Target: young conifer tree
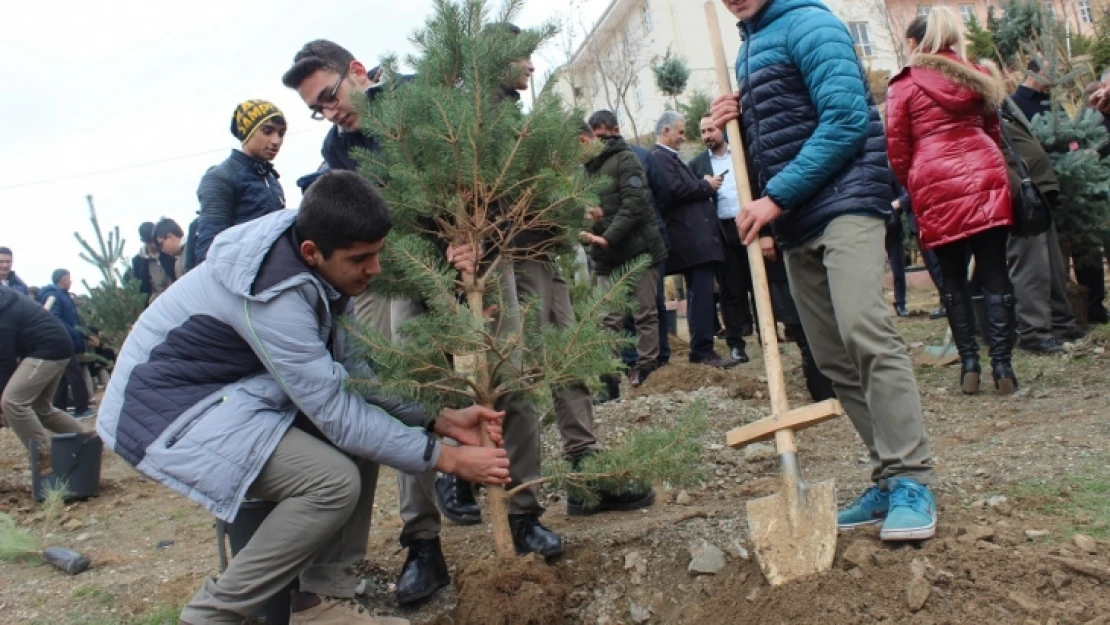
[[462, 164]]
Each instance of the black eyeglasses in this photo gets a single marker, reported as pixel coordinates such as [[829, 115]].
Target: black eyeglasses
[[329, 100]]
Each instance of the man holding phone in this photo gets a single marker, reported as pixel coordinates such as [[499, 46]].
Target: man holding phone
[[734, 276]]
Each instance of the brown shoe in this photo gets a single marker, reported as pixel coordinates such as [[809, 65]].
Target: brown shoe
[[331, 612], [45, 467]]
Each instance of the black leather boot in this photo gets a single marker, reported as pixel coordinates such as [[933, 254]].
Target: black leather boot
[[531, 537], [424, 573], [455, 498], [1001, 323], [961, 318]]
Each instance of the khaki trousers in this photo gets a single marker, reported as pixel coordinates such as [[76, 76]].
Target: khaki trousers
[[373, 309], [645, 317], [318, 531], [28, 407], [837, 282]]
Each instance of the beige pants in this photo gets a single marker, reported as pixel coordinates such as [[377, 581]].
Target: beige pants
[[318, 531], [837, 282], [645, 317], [28, 407]]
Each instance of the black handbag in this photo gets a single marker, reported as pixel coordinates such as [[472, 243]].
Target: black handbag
[[1031, 210]]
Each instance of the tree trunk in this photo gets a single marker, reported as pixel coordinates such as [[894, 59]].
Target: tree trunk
[[498, 500]]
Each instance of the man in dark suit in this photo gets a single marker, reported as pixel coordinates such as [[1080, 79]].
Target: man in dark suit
[[734, 275], [686, 202]]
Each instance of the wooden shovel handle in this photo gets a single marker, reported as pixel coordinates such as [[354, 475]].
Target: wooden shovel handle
[[784, 439]]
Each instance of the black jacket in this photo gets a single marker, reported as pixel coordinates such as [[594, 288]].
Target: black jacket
[[628, 216], [655, 183], [236, 191], [14, 282], [338, 143], [691, 217], [1030, 101], [27, 330]]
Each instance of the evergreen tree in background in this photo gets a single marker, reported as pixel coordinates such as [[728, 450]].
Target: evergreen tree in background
[[695, 107], [671, 76], [980, 41], [461, 164], [115, 304], [1021, 22]]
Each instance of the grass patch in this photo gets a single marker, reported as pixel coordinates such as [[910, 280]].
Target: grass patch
[[1082, 498], [93, 593], [161, 615]]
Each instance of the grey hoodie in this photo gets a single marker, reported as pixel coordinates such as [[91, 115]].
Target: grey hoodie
[[216, 370]]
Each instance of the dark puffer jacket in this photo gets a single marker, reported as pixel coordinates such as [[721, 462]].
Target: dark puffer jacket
[[236, 191], [14, 282], [27, 330], [65, 309], [628, 214], [812, 133]]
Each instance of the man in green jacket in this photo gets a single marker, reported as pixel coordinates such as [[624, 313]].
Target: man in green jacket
[[624, 228]]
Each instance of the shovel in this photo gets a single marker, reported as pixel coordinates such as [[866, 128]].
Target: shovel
[[793, 531]]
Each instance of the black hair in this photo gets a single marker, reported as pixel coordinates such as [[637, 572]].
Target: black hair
[[603, 118], [916, 29], [167, 226], [58, 274], [6, 250], [315, 56], [1033, 65], [146, 232], [585, 130], [339, 209]]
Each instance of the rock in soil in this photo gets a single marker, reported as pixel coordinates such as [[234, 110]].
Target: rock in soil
[[759, 452], [683, 498], [917, 593], [513, 592], [970, 534], [706, 560], [1085, 543], [859, 554]]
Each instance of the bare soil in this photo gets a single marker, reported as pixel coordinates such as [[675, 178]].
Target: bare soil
[[1018, 477]]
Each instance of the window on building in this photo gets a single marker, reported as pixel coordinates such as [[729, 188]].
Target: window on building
[[1085, 11], [967, 11], [645, 16], [923, 9], [861, 37]]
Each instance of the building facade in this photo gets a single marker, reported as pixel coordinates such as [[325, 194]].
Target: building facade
[[612, 68]]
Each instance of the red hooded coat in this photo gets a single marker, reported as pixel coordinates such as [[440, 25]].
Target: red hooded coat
[[943, 141]]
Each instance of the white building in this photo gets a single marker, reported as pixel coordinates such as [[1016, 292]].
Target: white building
[[612, 68]]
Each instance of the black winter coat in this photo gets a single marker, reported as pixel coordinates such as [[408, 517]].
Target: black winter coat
[[691, 217], [628, 215], [656, 183], [236, 191], [27, 330]]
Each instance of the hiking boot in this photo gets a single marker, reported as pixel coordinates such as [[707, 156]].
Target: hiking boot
[[961, 318], [901, 311], [43, 465], [456, 500], [1001, 322], [739, 355], [869, 509], [939, 313], [424, 572], [913, 511], [529, 536], [341, 612]]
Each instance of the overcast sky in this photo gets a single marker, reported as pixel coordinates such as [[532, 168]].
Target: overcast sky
[[109, 85]]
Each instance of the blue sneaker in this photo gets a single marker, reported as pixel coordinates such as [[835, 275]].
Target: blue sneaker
[[870, 509], [913, 511]]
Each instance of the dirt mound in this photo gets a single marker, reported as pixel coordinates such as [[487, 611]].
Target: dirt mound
[[684, 376], [970, 573], [520, 592]]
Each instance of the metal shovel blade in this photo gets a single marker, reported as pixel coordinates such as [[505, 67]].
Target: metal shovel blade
[[794, 530]]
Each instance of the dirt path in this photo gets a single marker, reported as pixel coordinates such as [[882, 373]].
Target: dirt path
[[1019, 477]]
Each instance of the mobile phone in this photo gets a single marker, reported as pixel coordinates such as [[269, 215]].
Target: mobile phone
[[722, 174]]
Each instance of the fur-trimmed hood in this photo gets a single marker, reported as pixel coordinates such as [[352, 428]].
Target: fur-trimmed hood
[[954, 83]]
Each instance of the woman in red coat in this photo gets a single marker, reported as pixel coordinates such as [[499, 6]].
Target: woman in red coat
[[944, 146]]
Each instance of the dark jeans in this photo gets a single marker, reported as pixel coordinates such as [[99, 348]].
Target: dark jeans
[[700, 310], [991, 271], [735, 278], [896, 254], [628, 356], [72, 387], [1091, 275]]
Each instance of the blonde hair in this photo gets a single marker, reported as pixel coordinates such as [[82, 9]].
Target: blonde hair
[[943, 30]]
